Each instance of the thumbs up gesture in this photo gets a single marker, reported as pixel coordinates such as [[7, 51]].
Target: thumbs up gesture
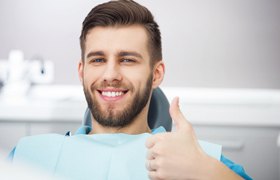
[[177, 155]]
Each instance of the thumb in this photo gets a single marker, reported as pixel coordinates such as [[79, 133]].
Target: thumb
[[176, 114]]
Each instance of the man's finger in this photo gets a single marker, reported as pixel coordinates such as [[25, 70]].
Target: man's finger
[[152, 140], [151, 165], [176, 114], [152, 175], [150, 155]]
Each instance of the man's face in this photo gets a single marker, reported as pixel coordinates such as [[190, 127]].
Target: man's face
[[116, 74]]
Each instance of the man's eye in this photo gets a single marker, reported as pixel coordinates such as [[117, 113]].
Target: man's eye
[[127, 60], [98, 60]]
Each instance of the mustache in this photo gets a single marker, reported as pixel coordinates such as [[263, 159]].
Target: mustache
[[114, 84]]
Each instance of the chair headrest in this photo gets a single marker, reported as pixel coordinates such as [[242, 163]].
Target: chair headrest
[[158, 112]]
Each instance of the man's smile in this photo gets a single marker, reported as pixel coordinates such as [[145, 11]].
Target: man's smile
[[112, 94]]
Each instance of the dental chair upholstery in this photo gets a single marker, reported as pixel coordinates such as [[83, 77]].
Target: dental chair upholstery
[[158, 112]]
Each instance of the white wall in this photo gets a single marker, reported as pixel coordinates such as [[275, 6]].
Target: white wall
[[217, 43]]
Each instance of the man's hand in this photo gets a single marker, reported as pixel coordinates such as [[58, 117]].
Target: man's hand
[[171, 154], [177, 155]]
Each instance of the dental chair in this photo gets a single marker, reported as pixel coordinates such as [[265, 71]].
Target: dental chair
[[158, 114]]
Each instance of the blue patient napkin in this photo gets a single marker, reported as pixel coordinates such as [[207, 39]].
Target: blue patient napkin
[[98, 156]]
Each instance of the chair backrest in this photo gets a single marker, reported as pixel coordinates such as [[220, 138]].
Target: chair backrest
[[158, 112]]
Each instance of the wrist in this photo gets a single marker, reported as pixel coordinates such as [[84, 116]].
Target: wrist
[[216, 170]]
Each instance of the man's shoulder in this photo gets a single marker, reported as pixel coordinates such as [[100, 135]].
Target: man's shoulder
[[29, 145], [40, 149], [40, 139]]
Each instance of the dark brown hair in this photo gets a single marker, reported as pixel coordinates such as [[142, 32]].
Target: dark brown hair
[[124, 12]]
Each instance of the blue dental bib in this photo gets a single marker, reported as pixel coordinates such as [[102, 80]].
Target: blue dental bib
[[98, 156]]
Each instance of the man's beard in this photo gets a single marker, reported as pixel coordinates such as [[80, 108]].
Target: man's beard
[[124, 117]]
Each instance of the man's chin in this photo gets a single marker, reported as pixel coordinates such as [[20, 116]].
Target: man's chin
[[112, 122]]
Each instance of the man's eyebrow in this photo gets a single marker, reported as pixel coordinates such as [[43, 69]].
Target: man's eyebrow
[[130, 53], [95, 53]]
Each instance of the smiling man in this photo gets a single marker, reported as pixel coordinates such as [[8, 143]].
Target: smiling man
[[118, 75], [121, 63]]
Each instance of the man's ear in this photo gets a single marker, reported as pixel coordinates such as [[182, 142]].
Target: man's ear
[[158, 73], [81, 70]]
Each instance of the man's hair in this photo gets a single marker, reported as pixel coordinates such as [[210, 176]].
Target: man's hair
[[124, 12]]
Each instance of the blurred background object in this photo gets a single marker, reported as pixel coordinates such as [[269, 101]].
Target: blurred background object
[[19, 74]]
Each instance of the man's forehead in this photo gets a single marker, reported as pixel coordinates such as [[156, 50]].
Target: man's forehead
[[129, 37]]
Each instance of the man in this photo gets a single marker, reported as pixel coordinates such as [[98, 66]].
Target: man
[[120, 66]]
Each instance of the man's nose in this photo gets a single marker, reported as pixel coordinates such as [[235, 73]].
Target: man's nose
[[112, 72]]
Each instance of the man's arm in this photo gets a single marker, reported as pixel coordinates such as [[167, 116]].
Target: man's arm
[[178, 155]]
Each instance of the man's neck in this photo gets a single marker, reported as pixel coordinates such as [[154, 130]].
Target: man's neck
[[98, 129]]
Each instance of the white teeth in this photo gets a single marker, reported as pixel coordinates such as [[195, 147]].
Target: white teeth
[[112, 94]]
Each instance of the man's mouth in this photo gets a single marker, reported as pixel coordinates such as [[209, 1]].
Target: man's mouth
[[112, 93]]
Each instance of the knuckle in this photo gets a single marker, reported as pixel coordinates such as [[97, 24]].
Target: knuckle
[[160, 175], [149, 154], [153, 175], [157, 164], [159, 149], [160, 162]]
